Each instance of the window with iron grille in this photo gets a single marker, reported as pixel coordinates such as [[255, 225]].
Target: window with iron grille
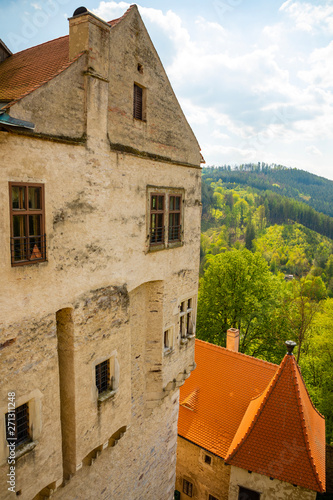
[[157, 215], [17, 425], [103, 376], [138, 110], [246, 494], [174, 218], [186, 323], [28, 241], [187, 488]]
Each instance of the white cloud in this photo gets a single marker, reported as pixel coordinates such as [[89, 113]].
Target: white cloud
[[36, 6], [307, 16], [313, 150]]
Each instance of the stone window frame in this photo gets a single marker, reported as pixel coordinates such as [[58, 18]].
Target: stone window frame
[[26, 211], [245, 492], [34, 402], [187, 312], [166, 192], [113, 375]]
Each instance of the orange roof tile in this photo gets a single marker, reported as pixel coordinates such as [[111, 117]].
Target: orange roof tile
[[226, 382], [256, 415], [293, 448], [25, 71]]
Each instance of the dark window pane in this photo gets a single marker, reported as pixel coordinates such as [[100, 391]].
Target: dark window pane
[[34, 225], [153, 202], [245, 494], [35, 198], [102, 376], [172, 202], [18, 197], [177, 203], [17, 425], [160, 202], [19, 225]]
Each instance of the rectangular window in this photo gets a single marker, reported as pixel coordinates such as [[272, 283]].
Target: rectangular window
[[17, 425], [28, 241], [186, 318], [138, 102], [245, 494], [174, 218], [187, 488], [103, 376], [208, 459], [157, 207]]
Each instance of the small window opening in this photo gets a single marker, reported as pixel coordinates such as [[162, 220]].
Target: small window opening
[[187, 488], [140, 68], [103, 376], [208, 459], [17, 425]]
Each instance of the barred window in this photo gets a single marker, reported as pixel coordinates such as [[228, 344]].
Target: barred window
[[157, 209], [174, 218], [17, 425], [103, 376], [187, 488], [28, 241]]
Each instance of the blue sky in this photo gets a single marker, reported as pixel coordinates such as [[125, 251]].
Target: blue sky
[[254, 78]]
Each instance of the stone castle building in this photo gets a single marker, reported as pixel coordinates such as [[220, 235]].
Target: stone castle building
[[100, 230]]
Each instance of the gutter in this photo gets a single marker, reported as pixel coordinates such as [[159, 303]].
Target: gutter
[[8, 122]]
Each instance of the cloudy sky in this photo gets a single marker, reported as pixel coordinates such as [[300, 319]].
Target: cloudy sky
[[254, 78]]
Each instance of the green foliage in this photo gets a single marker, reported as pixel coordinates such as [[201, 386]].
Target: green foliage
[[239, 291], [317, 365]]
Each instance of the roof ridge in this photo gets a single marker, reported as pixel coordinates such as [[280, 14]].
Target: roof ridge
[[294, 367], [268, 390], [214, 347], [40, 44]]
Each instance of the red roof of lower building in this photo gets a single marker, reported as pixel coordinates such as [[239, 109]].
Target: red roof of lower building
[[256, 415]]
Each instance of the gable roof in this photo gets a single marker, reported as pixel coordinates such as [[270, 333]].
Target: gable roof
[[224, 383], [256, 415], [293, 449], [25, 71]]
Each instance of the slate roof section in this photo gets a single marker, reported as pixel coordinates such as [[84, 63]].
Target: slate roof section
[[222, 397], [256, 415], [282, 435], [25, 71]]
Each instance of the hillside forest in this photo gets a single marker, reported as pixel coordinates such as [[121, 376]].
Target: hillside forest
[[267, 269]]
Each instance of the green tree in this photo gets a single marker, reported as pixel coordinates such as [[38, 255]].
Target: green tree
[[239, 291]]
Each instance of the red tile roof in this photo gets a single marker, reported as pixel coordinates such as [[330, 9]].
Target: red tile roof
[[255, 415], [293, 448], [25, 71], [222, 397]]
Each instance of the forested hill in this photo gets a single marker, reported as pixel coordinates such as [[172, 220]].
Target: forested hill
[[311, 189]]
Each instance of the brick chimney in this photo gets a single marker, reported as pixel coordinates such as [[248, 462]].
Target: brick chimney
[[233, 339], [88, 33]]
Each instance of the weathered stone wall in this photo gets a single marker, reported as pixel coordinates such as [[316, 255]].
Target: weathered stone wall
[[268, 488], [102, 293], [207, 479], [165, 130]]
